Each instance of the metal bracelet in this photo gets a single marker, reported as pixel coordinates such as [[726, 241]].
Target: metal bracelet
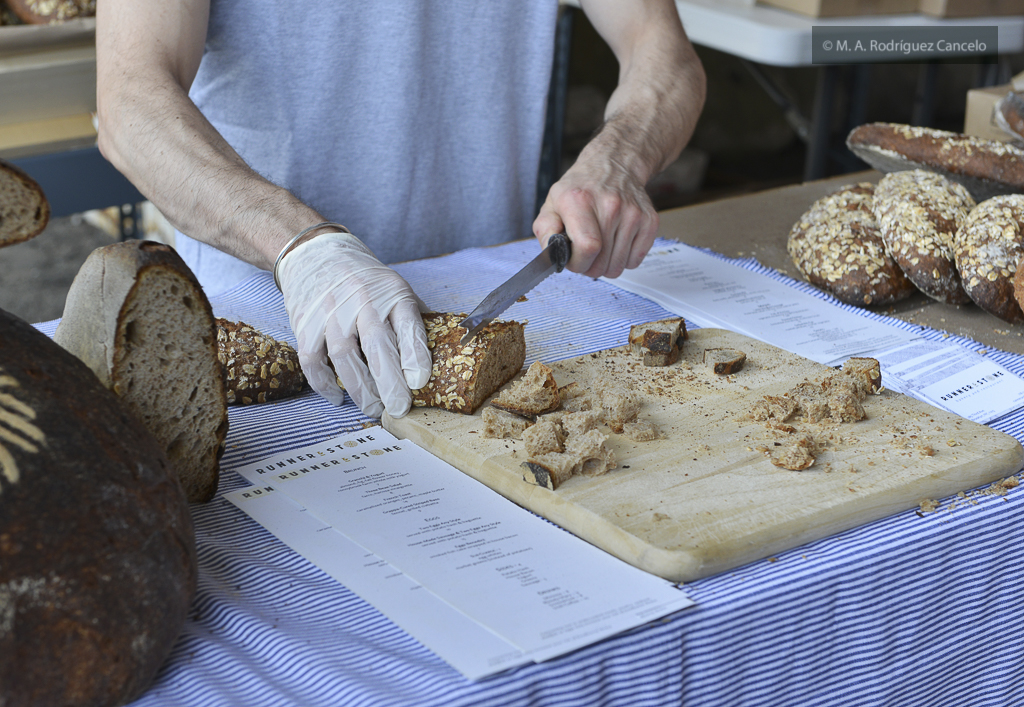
[[299, 240]]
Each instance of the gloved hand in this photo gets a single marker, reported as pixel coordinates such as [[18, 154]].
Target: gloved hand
[[344, 303]]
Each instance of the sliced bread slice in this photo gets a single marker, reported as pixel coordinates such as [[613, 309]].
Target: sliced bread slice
[[24, 210], [137, 316]]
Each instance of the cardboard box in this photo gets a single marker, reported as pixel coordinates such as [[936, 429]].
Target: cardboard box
[[844, 8], [981, 103], [972, 8]]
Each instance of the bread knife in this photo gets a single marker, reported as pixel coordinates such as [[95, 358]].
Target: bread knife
[[550, 260]]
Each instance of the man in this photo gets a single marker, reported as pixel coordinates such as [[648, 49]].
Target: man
[[417, 125]]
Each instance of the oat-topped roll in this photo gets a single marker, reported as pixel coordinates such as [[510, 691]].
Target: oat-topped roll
[[836, 245], [918, 215], [989, 247]]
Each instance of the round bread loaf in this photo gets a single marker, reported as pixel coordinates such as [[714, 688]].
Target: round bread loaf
[[42, 12], [836, 245], [918, 214], [258, 368], [137, 316], [97, 551], [989, 247], [24, 210], [985, 167]]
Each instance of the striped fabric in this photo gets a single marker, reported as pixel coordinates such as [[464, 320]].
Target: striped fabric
[[913, 610]]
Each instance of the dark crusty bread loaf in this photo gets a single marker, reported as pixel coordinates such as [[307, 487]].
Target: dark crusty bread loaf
[[97, 552], [837, 246], [989, 247], [462, 377], [42, 12], [137, 316], [985, 167], [258, 368], [24, 210], [918, 214]]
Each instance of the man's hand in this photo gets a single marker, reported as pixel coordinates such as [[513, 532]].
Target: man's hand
[[605, 210], [601, 202], [345, 304]]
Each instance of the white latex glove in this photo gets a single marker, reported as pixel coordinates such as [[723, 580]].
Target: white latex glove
[[344, 303]]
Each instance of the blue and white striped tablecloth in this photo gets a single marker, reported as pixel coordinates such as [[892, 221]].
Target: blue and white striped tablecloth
[[914, 610]]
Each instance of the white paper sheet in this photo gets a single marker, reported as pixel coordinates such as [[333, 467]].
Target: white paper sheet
[[455, 638], [535, 585], [713, 292], [716, 293], [953, 378]]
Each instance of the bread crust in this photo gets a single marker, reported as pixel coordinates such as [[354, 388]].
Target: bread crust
[[97, 549], [103, 326], [919, 214], [837, 247], [24, 209], [989, 249]]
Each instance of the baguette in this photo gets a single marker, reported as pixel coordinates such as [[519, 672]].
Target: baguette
[[137, 316], [985, 167]]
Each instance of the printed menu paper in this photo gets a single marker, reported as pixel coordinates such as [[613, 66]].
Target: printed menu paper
[[717, 293], [713, 292], [953, 378], [536, 586], [454, 637]]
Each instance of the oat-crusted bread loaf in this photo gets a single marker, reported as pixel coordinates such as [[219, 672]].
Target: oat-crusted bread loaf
[[97, 551], [24, 210], [837, 246], [42, 12], [463, 376], [985, 167], [257, 368], [989, 247], [137, 316], [918, 215]]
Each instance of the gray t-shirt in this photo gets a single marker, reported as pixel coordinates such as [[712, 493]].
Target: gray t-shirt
[[416, 124]]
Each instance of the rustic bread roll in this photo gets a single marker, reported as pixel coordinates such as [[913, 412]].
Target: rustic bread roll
[[837, 247], [42, 12], [918, 215], [985, 167], [257, 368], [24, 210], [463, 376], [989, 247], [97, 552], [137, 316]]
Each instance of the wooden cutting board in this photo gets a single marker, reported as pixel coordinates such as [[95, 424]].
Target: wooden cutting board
[[706, 497]]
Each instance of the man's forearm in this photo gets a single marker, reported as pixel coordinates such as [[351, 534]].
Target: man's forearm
[[151, 131]]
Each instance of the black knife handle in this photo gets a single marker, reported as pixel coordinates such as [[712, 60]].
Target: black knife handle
[[561, 250]]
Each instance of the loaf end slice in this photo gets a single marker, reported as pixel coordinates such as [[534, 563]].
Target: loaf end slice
[[137, 316], [462, 377], [24, 210], [258, 368]]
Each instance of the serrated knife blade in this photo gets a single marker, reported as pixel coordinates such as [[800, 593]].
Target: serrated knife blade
[[550, 260]]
